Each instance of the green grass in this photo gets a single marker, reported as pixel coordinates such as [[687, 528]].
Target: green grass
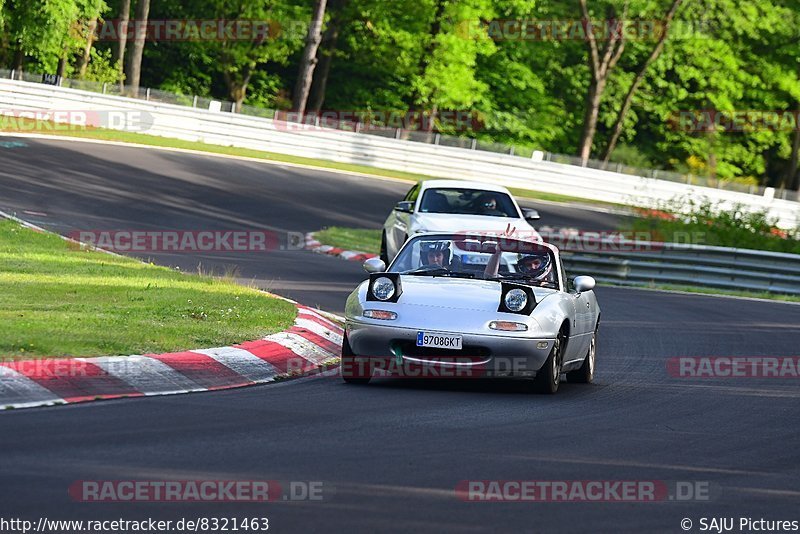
[[728, 292], [103, 134], [351, 239], [57, 300], [356, 239]]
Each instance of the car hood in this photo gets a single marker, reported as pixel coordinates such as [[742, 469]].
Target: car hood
[[447, 222], [445, 304]]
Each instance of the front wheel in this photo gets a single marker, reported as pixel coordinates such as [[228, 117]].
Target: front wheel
[[585, 375], [548, 378], [352, 370]]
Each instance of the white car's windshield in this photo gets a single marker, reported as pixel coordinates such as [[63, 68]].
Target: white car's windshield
[[478, 257], [468, 202]]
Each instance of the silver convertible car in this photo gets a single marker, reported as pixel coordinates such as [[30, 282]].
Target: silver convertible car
[[461, 305]]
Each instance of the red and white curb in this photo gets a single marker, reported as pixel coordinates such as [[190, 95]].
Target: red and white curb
[[313, 344], [352, 255]]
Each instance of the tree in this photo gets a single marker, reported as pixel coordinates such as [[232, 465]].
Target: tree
[[601, 64], [626, 105], [122, 39], [134, 72], [308, 62]]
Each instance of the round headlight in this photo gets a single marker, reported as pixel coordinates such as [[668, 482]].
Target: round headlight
[[383, 288], [516, 300]]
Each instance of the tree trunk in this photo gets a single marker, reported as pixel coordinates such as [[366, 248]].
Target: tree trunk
[[792, 179], [309, 61], [83, 61], [626, 106], [119, 51], [326, 52], [237, 88], [601, 63], [590, 116], [135, 59], [62, 65], [19, 61]]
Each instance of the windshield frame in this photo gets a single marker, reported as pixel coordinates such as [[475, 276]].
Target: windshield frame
[[560, 279]]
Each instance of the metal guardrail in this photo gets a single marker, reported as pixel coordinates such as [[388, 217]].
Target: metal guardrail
[[517, 151], [268, 135], [645, 263]]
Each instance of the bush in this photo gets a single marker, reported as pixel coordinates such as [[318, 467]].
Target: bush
[[705, 223]]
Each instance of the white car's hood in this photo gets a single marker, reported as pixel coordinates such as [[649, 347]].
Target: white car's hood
[[452, 223]]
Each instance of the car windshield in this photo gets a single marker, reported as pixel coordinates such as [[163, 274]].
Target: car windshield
[[468, 202], [483, 257]]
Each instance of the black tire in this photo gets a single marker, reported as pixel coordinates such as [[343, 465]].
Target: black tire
[[548, 378], [585, 375], [353, 371], [383, 255]]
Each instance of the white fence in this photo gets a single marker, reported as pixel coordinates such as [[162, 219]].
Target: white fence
[[396, 154]]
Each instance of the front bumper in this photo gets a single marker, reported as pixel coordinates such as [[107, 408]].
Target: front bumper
[[393, 349]]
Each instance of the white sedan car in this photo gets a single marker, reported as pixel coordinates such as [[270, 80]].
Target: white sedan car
[[454, 206]]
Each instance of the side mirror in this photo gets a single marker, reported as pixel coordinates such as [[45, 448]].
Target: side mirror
[[374, 265], [530, 214], [405, 207], [583, 283]]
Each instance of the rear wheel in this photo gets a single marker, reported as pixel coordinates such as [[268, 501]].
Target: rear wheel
[[353, 371], [383, 255], [585, 375], [548, 378]]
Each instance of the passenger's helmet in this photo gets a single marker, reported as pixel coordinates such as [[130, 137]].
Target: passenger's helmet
[[538, 266]]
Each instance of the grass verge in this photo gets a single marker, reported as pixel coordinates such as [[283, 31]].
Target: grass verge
[[356, 239], [57, 300], [725, 292], [103, 134]]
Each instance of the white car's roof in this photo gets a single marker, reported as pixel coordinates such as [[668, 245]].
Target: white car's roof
[[464, 184]]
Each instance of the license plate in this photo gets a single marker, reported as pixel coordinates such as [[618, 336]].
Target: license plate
[[439, 341]]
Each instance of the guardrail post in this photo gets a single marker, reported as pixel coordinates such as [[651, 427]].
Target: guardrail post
[[105, 87], [436, 138], [474, 144], [511, 151], [147, 94], [397, 133], [12, 74], [194, 101]]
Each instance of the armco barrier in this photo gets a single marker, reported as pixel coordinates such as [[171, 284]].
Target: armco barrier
[[643, 263], [257, 133]]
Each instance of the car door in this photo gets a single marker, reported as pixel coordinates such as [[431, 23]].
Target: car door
[[401, 222], [582, 321]]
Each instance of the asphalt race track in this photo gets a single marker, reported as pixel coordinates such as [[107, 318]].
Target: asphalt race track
[[389, 455]]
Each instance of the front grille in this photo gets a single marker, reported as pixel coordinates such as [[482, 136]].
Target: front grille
[[468, 353]]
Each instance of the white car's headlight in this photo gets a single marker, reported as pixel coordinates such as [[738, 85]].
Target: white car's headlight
[[516, 300], [383, 288]]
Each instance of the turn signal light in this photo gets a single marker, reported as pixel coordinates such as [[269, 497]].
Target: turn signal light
[[508, 326], [380, 314]]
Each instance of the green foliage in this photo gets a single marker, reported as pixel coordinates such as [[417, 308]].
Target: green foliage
[[703, 222], [102, 68]]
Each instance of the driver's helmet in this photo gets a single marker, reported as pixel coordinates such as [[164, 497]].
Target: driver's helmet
[[538, 266], [431, 249]]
